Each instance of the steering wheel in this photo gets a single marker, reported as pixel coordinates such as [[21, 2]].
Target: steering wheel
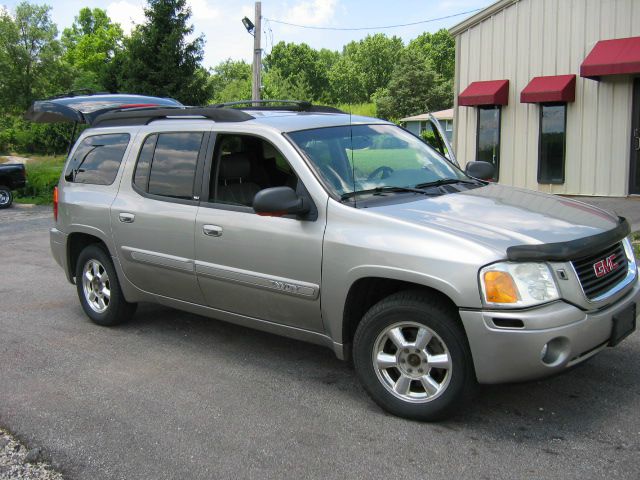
[[383, 170]]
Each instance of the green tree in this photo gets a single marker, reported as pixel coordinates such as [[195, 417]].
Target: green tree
[[230, 81], [277, 86], [439, 49], [374, 58], [305, 69], [90, 45], [346, 82], [159, 60], [414, 88], [29, 57]]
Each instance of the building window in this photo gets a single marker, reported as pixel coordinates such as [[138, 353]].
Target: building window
[[449, 125], [488, 141], [551, 149]]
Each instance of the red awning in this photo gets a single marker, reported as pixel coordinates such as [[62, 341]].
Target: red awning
[[612, 57], [556, 88], [492, 92]]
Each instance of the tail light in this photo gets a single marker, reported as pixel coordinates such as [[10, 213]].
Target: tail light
[[55, 203]]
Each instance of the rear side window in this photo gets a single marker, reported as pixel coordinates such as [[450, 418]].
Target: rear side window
[[167, 164], [97, 159]]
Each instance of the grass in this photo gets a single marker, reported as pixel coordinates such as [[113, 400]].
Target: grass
[[43, 172], [635, 241], [364, 109]]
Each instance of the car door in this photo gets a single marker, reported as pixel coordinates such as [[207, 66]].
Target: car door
[[154, 213], [262, 267]]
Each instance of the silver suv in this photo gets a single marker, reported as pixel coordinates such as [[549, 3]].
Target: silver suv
[[343, 231]]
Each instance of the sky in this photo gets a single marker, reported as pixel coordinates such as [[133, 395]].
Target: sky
[[220, 20]]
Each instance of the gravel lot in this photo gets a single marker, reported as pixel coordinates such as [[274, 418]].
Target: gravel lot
[[177, 396], [16, 461]]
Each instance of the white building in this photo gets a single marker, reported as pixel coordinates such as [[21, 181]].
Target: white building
[[549, 91]]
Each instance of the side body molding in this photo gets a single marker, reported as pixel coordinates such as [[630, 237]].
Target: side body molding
[[158, 259], [263, 281]]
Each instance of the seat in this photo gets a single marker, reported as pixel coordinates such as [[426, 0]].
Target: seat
[[234, 185]]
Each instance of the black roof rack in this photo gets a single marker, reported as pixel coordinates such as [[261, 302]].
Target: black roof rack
[[290, 105], [143, 116]]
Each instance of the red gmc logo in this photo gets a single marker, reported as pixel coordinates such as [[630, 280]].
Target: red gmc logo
[[604, 266]]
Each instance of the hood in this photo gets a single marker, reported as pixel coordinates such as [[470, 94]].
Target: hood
[[499, 217]]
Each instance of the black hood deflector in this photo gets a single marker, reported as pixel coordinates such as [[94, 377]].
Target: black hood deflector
[[571, 250]]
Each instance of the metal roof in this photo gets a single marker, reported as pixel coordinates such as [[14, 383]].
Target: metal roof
[[440, 115], [480, 16]]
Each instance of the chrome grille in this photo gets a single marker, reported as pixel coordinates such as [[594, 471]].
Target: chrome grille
[[594, 286]]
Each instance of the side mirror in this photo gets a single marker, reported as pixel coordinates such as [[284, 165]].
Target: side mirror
[[279, 201], [481, 170]]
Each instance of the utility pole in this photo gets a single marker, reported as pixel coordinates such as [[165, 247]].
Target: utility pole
[[257, 54]]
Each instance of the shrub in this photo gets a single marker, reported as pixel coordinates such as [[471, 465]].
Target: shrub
[[19, 135], [42, 175]]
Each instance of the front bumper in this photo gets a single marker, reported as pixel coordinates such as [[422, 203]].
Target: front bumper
[[514, 354]]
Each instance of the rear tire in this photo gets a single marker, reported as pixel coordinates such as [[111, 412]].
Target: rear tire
[[412, 357], [99, 289], [6, 197]]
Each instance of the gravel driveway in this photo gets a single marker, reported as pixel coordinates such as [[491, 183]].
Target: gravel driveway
[[177, 396]]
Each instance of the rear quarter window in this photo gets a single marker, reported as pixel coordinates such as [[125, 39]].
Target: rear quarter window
[[97, 159]]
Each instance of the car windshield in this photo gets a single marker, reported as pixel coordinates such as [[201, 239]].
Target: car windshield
[[363, 159]]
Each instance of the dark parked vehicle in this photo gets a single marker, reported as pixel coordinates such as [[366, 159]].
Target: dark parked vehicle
[[12, 177]]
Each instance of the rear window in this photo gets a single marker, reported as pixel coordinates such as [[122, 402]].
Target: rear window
[[97, 159], [167, 164]]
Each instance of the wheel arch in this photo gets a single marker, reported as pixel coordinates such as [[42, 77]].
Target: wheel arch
[[366, 291], [78, 241]]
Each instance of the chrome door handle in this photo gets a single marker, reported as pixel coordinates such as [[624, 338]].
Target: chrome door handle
[[212, 230], [126, 217]]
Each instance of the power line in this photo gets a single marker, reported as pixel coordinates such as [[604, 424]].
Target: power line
[[373, 28]]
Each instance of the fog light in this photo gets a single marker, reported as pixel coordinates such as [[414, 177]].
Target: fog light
[[555, 351], [543, 353]]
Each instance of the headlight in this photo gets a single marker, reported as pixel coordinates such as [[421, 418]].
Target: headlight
[[517, 284]]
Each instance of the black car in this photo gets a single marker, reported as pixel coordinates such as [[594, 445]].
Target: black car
[[12, 177]]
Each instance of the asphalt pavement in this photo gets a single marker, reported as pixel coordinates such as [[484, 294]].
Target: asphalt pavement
[[177, 396]]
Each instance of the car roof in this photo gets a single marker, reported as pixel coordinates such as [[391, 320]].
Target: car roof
[[287, 121], [279, 121]]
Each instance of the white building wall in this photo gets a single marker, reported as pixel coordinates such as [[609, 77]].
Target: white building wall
[[532, 38]]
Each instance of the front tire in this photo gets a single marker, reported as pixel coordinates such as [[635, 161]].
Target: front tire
[[6, 197], [412, 357], [99, 289]]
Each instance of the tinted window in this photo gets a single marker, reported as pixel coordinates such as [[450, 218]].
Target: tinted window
[[488, 147], [97, 159], [361, 158], [552, 143], [141, 177], [173, 166]]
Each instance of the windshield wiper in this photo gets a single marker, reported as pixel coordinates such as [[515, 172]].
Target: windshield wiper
[[445, 181], [380, 190]]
